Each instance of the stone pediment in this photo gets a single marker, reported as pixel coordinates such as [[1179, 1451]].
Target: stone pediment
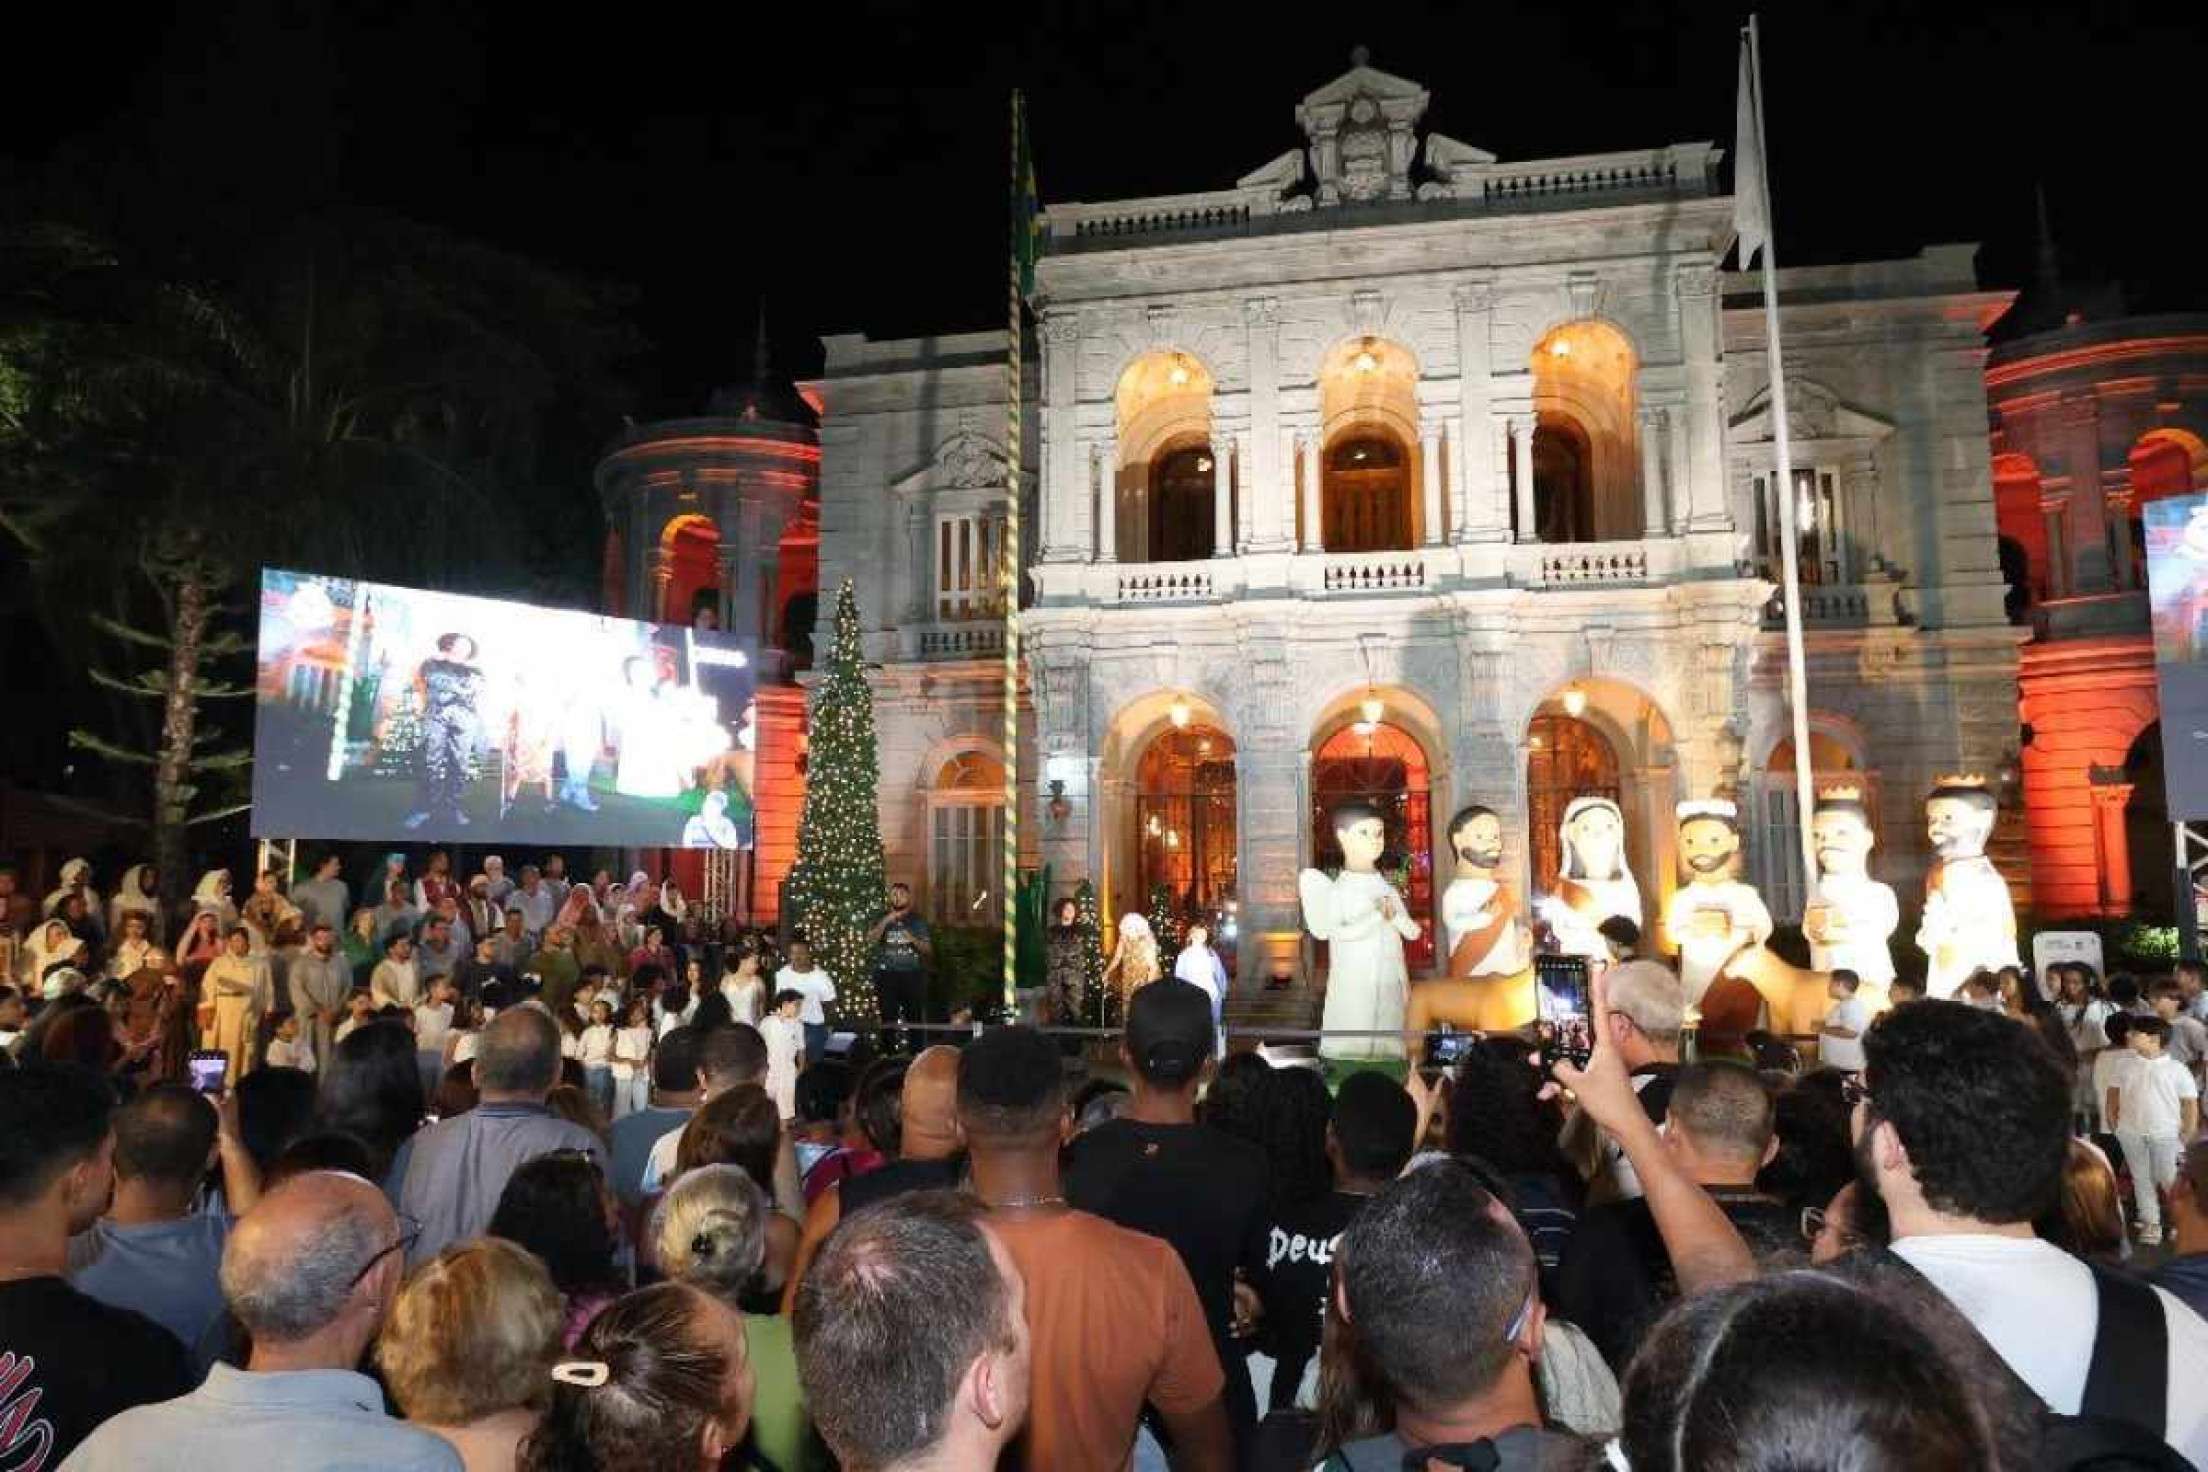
[[1362, 128], [965, 461], [1813, 412]]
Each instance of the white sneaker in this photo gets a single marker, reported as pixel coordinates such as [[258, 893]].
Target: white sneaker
[[2150, 1236]]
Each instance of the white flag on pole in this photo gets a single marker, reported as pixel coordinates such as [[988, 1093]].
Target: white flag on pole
[[1749, 219]]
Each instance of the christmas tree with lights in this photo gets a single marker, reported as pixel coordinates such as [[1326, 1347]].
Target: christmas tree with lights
[[1089, 920], [1165, 924], [835, 891]]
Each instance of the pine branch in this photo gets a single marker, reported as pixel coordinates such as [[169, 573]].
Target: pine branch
[[116, 628], [100, 746], [149, 683], [220, 813], [223, 761], [223, 692]]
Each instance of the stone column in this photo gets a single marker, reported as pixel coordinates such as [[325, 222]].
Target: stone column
[[2053, 513], [2081, 426], [1703, 490], [731, 557], [1060, 508], [2110, 795], [1480, 510], [663, 577], [1222, 495], [1655, 521], [1676, 470], [919, 564], [1268, 510], [1245, 472], [1307, 441], [1429, 474], [1521, 443], [1104, 468], [1269, 793], [2119, 526]]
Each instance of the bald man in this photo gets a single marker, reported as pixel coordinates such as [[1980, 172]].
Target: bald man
[[310, 1272], [460, 1166], [930, 1157]]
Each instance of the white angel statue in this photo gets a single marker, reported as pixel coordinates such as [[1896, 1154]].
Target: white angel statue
[[1363, 920]]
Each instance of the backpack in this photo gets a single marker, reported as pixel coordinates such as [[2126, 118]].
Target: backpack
[[2125, 1408]]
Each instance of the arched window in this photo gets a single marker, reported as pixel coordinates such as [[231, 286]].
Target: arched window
[[798, 617], [1367, 495], [1185, 818], [1563, 480], [690, 555], [966, 840], [1384, 765], [1181, 505], [1565, 758]]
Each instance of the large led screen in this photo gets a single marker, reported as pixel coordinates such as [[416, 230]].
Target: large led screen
[[394, 713], [2177, 587]]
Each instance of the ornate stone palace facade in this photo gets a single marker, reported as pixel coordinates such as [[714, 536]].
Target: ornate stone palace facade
[[1400, 471]]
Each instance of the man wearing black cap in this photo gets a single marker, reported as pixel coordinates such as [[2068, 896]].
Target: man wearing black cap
[[1156, 1170]]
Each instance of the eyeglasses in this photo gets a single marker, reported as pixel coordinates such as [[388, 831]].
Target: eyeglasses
[[410, 1232], [1854, 1091], [1814, 1222]]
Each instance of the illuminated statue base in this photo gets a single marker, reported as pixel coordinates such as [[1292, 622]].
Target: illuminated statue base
[[1485, 1004]]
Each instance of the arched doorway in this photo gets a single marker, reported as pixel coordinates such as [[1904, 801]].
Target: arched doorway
[[1586, 439], [1563, 481], [690, 557], [1185, 819], [1379, 763], [2147, 832], [1367, 494], [1181, 483], [1565, 758]]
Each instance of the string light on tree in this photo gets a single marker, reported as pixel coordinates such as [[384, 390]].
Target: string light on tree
[[1088, 917], [836, 888]]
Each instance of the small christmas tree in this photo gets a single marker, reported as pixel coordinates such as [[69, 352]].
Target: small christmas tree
[[835, 889], [1165, 924], [1089, 920]]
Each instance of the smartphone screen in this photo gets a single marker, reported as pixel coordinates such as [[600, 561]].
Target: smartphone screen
[[209, 1070], [1561, 1015]]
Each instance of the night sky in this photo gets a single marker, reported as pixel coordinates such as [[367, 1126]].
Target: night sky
[[846, 162]]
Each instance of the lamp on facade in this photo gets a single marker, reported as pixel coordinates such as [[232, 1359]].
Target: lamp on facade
[[1575, 701], [1172, 838], [1177, 375], [1061, 807], [1372, 709], [1366, 360], [1154, 826], [1180, 714]]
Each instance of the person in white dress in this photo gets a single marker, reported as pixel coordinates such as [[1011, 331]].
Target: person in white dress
[[632, 1058], [785, 1038], [746, 990], [1592, 880], [1969, 920], [1363, 920]]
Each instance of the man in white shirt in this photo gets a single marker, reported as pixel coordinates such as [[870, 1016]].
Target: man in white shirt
[[395, 982], [1963, 1123], [728, 1058], [816, 987], [1840, 1035]]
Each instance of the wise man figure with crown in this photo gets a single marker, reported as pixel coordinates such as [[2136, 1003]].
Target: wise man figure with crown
[[1713, 915], [1969, 921], [1850, 916]]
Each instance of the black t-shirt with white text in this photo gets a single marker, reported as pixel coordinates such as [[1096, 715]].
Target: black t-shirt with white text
[[68, 1362], [1297, 1279]]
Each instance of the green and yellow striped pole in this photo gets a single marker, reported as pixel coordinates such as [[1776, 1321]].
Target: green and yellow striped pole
[[1022, 209]]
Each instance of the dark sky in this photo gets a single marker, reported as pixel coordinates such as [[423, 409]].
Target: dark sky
[[847, 161]]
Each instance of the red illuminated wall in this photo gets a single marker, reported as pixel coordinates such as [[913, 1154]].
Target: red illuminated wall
[[780, 794], [2086, 701]]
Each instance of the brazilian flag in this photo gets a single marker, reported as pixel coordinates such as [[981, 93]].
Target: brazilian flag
[[1027, 203]]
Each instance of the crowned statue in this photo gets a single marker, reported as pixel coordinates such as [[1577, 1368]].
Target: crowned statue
[[1850, 916], [1592, 882], [1969, 921], [1364, 922], [1713, 915]]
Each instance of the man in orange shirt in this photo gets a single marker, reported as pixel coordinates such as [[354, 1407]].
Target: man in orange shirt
[[1114, 1318]]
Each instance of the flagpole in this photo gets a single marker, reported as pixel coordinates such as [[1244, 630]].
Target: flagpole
[[1797, 664], [1008, 577]]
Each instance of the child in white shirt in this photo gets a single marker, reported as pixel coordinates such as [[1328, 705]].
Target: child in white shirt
[[632, 1059], [360, 1010], [816, 987], [1840, 1035], [2156, 1108], [595, 1049], [746, 990], [785, 1037], [288, 1049], [432, 1020]]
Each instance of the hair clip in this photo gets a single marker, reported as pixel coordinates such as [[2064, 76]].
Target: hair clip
[[589, 1374]]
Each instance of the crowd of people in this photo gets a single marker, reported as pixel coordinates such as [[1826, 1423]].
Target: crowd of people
[[750, 1250]]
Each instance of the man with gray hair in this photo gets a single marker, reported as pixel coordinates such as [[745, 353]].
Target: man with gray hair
[[912, 1338], [460, 1166], [1643, 1020], [311, 1273]]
